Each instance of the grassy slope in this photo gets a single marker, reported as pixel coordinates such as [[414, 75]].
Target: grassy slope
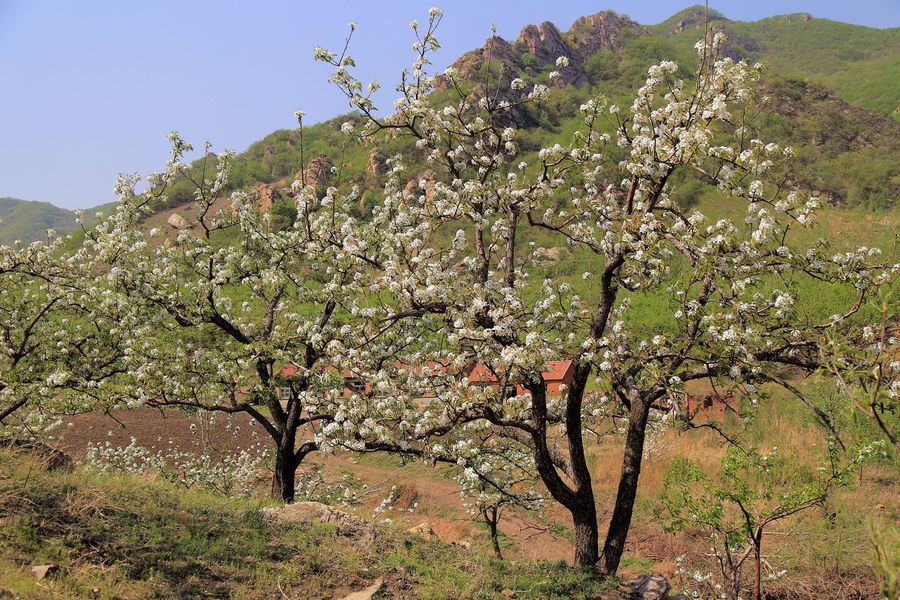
[[128, 537], [861, 64], [123, 537], [26, 220]]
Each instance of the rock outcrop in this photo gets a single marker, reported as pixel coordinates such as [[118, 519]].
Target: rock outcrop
[[374, 165], [309, 512], [646, 587], [264, 198], [367, 593], [603, 31], [177, 221], [538, 47], [317, 172]]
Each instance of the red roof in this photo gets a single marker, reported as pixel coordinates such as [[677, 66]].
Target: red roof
[[558, 370], [555, 371]]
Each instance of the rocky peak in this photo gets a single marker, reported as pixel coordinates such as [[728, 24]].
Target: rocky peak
[[497, 49], [603, 31], [695, 18], [543, 41]]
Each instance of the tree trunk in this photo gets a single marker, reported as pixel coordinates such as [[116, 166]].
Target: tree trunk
[[580, 500], [285, 468], [584, 517], [614, 545], [757, 560], [492, 524]]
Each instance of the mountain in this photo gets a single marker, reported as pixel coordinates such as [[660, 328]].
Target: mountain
[[834, 91], [26, 220], [861, 64]]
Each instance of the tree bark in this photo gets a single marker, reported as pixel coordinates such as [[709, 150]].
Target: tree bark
[[757, 560], [492, 524], [584, 517], [614, 545], [283, 480], [578, 498]]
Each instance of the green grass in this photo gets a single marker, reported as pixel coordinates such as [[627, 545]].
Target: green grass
[[121, 536]]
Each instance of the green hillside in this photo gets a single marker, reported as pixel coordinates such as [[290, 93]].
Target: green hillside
[[834, 90], [861, 64], [26, 220], [833, 87]]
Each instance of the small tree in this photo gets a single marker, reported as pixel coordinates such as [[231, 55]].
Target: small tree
[[463, 286], [753, 491], [495, 476]]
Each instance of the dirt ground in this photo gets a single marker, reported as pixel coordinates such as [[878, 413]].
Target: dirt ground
[[437, 495]]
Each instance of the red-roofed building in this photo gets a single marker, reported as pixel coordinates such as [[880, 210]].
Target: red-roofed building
[[557, 373]]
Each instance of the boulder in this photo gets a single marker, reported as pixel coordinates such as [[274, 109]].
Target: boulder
[[646, 587], [367, 593], [177, 221], [424, 530], [309, 512], [43, 571], [549, 256]]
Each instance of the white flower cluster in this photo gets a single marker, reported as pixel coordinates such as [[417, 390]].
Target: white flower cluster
[[235, 474]]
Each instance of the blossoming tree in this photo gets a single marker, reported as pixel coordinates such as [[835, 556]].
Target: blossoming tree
[[460, 284], [57, 353], [218, 308]]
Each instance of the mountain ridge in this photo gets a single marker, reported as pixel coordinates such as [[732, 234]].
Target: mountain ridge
[[837, 92]]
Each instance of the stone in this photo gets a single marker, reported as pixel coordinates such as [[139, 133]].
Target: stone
[[43, 571], [367, 593], [317, 172], [177, 221], [549, 256], [374, 166], [464, 544], [309, 512], [424, 530], [264, 198], [646, 587]]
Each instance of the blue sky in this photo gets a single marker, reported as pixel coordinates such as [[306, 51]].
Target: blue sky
[[91, 88]]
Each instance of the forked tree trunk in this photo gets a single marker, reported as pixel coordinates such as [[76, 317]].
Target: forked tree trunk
[[614, 545]]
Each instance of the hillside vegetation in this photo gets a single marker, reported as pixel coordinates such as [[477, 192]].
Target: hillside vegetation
[[126, 537], [27, 220], [834, 93]]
